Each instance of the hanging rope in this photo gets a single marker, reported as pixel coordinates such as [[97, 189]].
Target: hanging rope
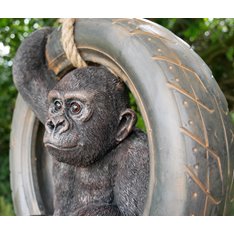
[[68, 43]]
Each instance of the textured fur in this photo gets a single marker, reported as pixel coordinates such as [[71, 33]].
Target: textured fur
[[100, 160]]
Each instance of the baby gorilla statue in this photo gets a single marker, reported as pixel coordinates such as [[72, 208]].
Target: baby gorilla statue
[[100, 160]]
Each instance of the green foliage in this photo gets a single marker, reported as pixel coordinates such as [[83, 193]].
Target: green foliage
[[5, 207], [212, 39], [232, 116], [140, 122]]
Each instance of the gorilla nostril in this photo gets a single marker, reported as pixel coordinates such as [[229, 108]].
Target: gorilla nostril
[[62, 126], [50, 125], [56, 125], [60, 122]]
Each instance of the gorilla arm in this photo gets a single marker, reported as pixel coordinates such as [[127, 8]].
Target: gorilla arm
[[31, 75], [131, 182]]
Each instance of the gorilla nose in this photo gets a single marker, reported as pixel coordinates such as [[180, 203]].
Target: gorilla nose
[[58, 125]]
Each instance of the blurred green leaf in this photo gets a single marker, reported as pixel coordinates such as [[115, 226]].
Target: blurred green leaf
[[230, 53], [140, 122], [5, 208], [232, 116]]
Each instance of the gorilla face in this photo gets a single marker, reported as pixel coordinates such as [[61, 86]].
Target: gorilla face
[[65, 127], [77, 129], [84, 118]]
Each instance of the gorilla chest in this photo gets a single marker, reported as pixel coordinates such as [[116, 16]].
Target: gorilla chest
[[95, 185], [76, 188]]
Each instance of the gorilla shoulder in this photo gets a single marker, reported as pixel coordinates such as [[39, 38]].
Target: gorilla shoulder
[[131, 182]]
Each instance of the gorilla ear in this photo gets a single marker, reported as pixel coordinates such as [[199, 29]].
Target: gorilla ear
[[127, 121]]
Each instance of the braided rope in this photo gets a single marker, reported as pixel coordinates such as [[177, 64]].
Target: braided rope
[[68, 43]]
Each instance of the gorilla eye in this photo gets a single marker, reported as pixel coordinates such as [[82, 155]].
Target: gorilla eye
[[57, 105], [75, 108]]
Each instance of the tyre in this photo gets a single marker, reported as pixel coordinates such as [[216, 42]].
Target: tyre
[[30, 166], [190, 134]]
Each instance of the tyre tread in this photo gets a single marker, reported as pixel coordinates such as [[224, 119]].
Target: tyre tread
[[206, 94]]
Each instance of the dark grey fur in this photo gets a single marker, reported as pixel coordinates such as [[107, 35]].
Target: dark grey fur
[[100, 160]]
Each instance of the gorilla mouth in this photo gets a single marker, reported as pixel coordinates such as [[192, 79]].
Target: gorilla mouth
[[47, 144]]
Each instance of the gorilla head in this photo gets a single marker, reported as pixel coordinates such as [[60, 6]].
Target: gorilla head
[[88, 116]]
